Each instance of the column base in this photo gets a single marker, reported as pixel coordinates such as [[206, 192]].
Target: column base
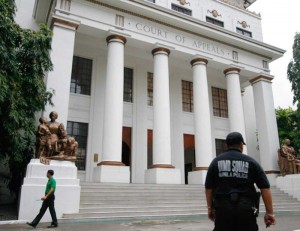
[[111, 163], [197, 177], [111, 174], [163, 176]]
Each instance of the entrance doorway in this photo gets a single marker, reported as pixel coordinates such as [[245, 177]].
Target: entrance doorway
[[126, 146], [149, 149], [189, 155]]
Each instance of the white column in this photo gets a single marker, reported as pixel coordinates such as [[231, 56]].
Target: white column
[[266, 125], [161, 109], [111, 168], [235, 105], [203, 140], [59, 78], [162, 170]]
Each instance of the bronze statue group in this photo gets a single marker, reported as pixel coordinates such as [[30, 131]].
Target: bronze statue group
[[288, 161], [52, 141]]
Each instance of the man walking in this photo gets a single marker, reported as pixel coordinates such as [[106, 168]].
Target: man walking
[[232, 200], [48, 201]]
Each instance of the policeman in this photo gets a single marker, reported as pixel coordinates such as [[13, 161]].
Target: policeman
[[232, 199]]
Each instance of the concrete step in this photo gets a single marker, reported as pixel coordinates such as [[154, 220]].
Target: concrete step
[[139, 201], [142, 193], [137, 208], [135, 213], [129, 216], [109, 199]]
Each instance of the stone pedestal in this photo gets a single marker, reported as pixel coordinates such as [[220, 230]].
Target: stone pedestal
[[289, 184], [163, 176], [197, 177], [272, 178], [67, 194], [111, 174]]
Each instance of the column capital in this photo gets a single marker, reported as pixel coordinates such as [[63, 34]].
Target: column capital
[[199, 61], [63, 22], [116, 38], [232, 70], [266, 78], [160, 50]]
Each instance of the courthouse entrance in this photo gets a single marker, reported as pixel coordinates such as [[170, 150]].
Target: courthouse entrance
[[189, 155], [126, 146]]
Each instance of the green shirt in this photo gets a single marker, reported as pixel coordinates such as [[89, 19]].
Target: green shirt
[[51, 184]]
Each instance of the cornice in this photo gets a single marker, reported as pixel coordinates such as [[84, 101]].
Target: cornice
[[196, 22]]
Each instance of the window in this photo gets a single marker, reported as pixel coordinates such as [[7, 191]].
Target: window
[[150, 88], [187, 96], [215, 21], [220, 146], [81, 76], [244, 32], [181, 9], [80, 132], [220, 106], [128, 79]]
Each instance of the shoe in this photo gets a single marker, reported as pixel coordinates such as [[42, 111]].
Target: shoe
[[52, 226], [30, 223]]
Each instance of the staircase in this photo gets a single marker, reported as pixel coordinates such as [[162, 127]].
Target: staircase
[[149, 201]]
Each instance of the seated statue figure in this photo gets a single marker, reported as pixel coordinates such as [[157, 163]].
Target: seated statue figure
[[69, 152], [71, 149], [58, 137], [52, 142], [290, 162]]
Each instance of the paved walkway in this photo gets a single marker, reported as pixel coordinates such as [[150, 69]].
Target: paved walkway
[[285, 222]]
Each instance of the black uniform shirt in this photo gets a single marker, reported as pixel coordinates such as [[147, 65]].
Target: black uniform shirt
[[233, 171]]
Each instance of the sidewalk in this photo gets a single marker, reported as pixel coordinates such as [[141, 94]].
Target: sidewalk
[[285, 222]]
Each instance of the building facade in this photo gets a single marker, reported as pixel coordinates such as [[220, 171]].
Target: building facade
[[150, 89]]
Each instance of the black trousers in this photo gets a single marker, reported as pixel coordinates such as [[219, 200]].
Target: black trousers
[[235, 216], [48, 203]]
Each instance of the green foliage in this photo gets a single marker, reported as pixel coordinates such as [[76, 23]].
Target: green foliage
[[293, 71], [288, 122], [24, 58], [287, 119]]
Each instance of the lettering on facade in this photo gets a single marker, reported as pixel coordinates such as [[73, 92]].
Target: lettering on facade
[[180, 39], [152, 30], [233, 168], [209, 48]]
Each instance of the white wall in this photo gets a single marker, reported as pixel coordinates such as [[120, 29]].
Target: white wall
[[89, 109], [230, 15], [24, 14]]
